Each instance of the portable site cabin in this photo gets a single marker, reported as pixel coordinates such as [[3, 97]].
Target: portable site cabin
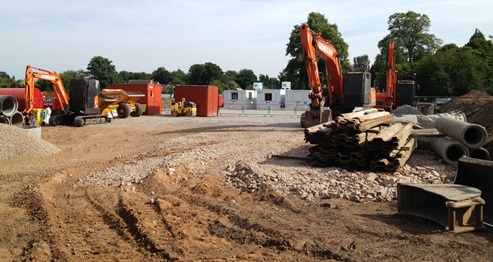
[[297, 99], [268, 99], [240, 99]]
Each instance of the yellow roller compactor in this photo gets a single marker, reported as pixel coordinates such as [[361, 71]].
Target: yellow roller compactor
[[183, 108]]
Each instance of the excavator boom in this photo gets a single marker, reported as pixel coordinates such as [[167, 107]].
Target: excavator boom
[[314, 45], [391, 79], [56, 83]]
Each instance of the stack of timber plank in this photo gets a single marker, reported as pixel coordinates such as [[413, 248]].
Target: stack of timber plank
[[361, 140]]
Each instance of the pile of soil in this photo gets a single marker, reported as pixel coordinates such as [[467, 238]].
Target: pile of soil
[[478, 107]]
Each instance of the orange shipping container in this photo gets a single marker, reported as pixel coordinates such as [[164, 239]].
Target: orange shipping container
[[151, 101], [205, 97]]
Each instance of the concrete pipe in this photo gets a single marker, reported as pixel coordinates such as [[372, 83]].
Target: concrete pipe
[[471, 135], [424, 143], [17, 119], [480, 153], [449, 149], [8, 105], [4, 120]]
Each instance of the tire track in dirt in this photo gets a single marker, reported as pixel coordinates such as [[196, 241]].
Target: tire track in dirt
[[204, 213]]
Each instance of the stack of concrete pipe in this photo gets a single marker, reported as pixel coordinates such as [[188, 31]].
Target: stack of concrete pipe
[[461, 139], [8, 111]]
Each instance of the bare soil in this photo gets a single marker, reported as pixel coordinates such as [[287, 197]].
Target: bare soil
[[155, 188]]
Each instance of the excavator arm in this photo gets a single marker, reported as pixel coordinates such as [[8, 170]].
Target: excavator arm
[[48, 75], [391, 79], [313, 46]]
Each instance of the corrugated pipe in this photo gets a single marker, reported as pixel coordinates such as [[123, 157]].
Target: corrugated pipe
[[480, 153], [17, 119], [471, 135], [4, 120], [449, 149], [8, 105]]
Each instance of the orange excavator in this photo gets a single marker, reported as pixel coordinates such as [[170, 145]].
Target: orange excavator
[[345, 91], [387, 99], [56, 83], [397, 92], [78, 108]]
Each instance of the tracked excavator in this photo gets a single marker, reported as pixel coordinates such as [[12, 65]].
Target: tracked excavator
[[397, 92], [345, 91], [78, 108]]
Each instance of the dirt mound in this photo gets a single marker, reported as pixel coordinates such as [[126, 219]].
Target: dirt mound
[[17, 142], [476, 94], [477, 105]]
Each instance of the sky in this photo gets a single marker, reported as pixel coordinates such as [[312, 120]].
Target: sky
[[141, 36]]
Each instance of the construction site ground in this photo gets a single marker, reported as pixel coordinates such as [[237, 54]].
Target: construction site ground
[[156, 188]]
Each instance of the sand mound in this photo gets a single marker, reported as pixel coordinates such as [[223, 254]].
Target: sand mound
[[17, 142]]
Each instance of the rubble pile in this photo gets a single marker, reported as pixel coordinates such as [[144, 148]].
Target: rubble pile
[[334, 182], [362, 140]]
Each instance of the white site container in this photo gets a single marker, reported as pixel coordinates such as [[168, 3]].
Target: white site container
[[269, 99], [240, 99], [297, 100]]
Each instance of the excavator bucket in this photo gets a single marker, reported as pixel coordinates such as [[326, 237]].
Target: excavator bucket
[[478, 173], [315, 117]]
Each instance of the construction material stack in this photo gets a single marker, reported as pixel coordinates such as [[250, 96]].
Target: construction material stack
[[361, 140]]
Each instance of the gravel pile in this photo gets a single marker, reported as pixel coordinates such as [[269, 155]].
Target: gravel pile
[[406, 110], [17, 142], [334, 182]]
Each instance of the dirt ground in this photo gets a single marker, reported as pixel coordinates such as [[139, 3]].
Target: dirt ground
[[155, 188]]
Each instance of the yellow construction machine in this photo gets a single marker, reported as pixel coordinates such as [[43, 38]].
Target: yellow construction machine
[[121, 101], [182, 108]]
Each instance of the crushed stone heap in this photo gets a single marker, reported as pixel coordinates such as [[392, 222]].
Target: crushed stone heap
[[16, 142]]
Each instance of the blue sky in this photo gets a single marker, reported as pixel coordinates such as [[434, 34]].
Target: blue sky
[[140, 36]]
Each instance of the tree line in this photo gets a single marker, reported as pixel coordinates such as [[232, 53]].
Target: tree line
[[440, 70], [103, 69]]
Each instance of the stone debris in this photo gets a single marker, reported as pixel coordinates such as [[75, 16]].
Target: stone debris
[[333, 182]]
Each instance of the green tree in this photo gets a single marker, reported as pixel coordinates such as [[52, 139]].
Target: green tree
[[361, 63], [410, 33], [162, 76], [412, 42], [245, 78], [295, 70], [270, 82], [454, 71], [203, 74], [103, 69], [179, 77], [9, 82], [69, 75], [228, 81], [484, 51]]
